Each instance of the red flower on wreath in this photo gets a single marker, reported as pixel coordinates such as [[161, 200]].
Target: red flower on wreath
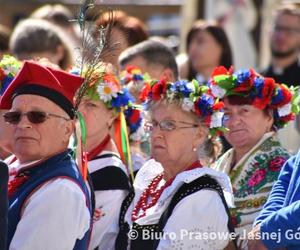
[[145, 92], [276, 164], [288, 118], [262, 101], [158, 89], [287, 95], [218, 106], [258, 176]]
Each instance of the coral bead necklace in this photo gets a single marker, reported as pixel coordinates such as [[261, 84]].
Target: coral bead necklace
[[151, 194]]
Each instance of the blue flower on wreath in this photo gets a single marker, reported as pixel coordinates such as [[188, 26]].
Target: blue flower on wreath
[[138, 77], [123, 99], [205, 104], [242, 76], [182, 87], [278, 97], [258, 85]]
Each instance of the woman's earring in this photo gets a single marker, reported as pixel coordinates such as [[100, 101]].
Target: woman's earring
[[194, 149]]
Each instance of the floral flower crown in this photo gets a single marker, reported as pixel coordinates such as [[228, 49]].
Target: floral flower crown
[[193, 98], [264, 92], [106, 87], [9, 67], [135, 121], [134, 74]]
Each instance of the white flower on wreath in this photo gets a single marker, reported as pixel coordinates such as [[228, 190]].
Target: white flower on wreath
[[285, 110], [107, 91], [218, 91], [191, 86], [216, 120], [187, 104]]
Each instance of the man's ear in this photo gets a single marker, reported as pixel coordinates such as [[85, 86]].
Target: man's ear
[[69, 129]]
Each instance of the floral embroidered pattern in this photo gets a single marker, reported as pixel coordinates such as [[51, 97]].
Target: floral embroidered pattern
[[263, 167]]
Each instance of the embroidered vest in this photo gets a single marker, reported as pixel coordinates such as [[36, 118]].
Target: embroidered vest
[[203, 182], [62, 166]]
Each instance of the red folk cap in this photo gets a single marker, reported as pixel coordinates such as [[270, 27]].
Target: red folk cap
[[35, 79]]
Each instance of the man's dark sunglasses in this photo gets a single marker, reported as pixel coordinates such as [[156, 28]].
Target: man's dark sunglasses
[[14, 117]]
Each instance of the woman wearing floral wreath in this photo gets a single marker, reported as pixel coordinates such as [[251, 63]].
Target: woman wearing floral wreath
[[255, 108], [175, 194], [102, 109]]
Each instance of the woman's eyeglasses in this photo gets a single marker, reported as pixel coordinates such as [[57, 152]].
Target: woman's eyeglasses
[[168, 125], [14, 117]]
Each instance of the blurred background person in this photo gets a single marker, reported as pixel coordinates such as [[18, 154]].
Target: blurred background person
[[284, 65], [4, 40], [34, 39], [207, 47], [151, 57], [61, 16], [126, 31]]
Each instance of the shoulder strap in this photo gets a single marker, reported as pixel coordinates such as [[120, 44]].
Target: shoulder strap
[[110, 178], [121, 242], [203, 182]]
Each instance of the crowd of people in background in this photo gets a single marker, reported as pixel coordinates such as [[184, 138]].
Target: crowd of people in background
[[141, 150]]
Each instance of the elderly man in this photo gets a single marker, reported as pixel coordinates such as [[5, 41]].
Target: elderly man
[[49, 203]]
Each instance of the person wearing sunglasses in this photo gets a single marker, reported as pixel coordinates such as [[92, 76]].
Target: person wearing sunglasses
[[177, 201], [102, 109], [49, 202], [255, 109]]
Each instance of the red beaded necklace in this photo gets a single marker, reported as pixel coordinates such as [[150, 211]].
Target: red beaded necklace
[[97, 150], [151, 194]]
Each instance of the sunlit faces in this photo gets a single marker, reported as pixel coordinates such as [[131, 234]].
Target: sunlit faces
[[175, 146], [285, 35], [246, 123], [36, 141], [204, 51], [98, 120]]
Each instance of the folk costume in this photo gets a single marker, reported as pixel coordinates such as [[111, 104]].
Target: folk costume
[[253, 176], [174, 214], [109, 174], [49, 202]]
